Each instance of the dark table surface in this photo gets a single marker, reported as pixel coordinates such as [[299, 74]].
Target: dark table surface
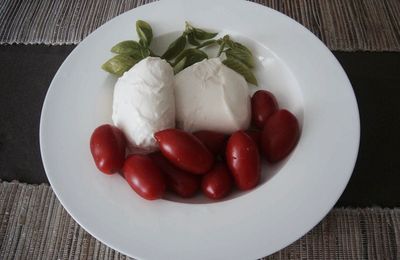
[[26, 73]]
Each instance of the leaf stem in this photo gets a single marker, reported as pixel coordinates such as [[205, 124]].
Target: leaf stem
[[221, 49], [152, 54], [188, 28]]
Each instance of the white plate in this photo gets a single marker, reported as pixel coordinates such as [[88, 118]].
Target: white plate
[[293, 197]]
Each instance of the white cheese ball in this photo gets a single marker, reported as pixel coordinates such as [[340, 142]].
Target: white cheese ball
[[144, 103], [211, 96]]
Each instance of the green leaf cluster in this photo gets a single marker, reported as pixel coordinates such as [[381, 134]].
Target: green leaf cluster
[[128, 53], [180, 57], [238, 57]]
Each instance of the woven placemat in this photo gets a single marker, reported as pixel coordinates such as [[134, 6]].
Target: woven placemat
[[348, 25], [34, 225]]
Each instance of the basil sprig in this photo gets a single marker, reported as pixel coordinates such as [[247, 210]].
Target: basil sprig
[[181, 58], [237, 56], [130, 52]]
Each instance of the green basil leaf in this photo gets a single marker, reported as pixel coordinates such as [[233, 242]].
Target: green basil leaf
[[221, 49], [144, 32], [207, 43], [180, 65], [242, 69], [189, 57], [118, 64], [191, 54], [175, 48], [192, 40], [203, 35], [238, 51], [126, 47], [240, 46], [241, 55], [131, 48], [234, 45]]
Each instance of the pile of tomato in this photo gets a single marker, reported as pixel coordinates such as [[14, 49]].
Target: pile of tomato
[[206, 160]]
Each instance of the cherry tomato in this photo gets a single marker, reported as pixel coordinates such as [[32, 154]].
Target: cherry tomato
[[256, 136], [263, 104], [217, 183], [243, 159], [214, 141], [182, 183], [107, 145], [144, 176], [280, 135], [185, 151]]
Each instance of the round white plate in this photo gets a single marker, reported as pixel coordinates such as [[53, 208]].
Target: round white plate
[[293, 196]]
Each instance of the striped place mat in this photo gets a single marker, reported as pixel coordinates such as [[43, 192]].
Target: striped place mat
[[348, 25], [34, 225]]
